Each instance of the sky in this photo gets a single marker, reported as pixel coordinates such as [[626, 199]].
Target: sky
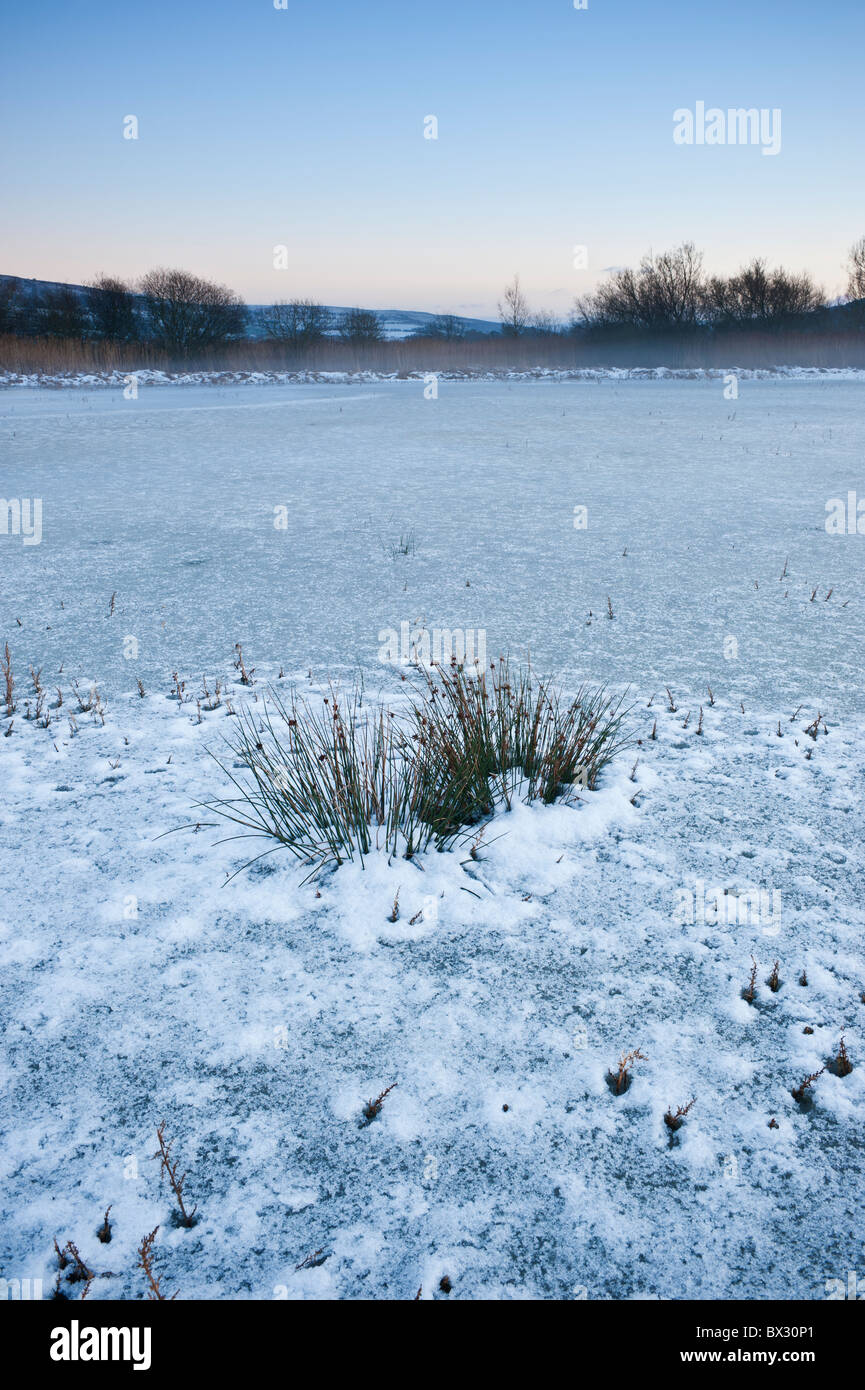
[[304, 127]]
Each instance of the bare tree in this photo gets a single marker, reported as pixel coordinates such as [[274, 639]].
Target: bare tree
[[856, 270], [297, 322], [792, 295], [9, 305], [675, 280], [514, 310], [447, 326], [186, 313], [361, 326], [760, 296], [110, 305], [544, 323], [665, 292]]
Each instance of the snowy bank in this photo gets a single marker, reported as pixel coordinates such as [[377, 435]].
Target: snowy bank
[[258, 1017], [151, 377]]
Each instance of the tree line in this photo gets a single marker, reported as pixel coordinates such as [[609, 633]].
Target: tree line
[[174, 311], [183, 315], [671, 292]]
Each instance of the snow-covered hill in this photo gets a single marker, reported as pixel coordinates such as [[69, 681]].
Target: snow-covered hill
[[396, 323]]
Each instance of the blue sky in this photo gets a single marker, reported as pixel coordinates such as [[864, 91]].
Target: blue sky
[[304, 127]]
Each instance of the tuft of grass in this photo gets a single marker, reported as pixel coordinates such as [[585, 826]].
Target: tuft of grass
[[620, 1079], [239, 665], [674, 1119], [841, 1064], [145, 1262], [330, 783], [80, 1272], [9, 679], [168, 1168], [406, 545], [373, 1107], [813, 729], [312, 1260], [104, 1231], [799, 1092]]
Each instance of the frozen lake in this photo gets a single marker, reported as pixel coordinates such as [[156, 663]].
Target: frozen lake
[[142, 978], [169, 502]]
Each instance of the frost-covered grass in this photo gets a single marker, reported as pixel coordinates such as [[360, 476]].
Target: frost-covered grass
[[328, 783], [406, 1071]]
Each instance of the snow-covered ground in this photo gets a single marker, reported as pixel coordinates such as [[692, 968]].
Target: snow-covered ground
[[257, 1017]]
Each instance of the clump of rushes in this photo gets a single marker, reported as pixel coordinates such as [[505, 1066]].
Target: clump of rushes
[[800, 1092], [168, 1168], [330, 783], [774, 981], [841, 1064], [750, 990], [486, 739], [620, 1079], [674, 1119], [373, 1107]]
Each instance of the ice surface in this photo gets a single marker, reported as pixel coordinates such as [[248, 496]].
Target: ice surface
[[169, 501], [258, 1018]]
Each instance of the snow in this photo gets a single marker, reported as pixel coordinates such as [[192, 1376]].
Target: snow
[[257, 1018], [150, 376]]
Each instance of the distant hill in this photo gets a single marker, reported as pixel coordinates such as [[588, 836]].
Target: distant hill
[[396, 323]]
